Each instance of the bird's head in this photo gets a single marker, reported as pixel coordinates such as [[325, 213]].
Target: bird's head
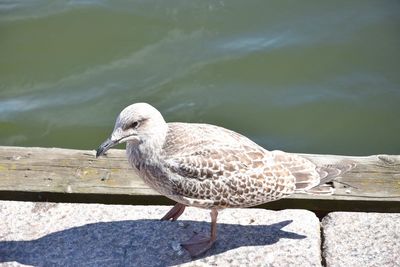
[[135, 124]]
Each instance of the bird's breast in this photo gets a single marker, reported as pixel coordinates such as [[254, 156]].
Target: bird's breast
[[150, 170]]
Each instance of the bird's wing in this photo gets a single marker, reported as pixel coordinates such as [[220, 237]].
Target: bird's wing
[[202, 152], [208, 161], [230, 177], [214, 164]]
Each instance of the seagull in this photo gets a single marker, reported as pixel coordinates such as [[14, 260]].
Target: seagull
[[210, 167]]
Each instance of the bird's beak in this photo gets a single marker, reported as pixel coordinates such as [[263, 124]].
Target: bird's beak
[[106, 145]]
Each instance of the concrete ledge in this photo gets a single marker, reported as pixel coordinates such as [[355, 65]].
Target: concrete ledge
[[50, 234], [361, 239]]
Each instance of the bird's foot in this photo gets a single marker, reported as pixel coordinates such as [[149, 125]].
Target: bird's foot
[[174, 213], [198, 244]]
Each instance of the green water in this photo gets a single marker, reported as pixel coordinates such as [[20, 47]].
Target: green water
[[301, 76]]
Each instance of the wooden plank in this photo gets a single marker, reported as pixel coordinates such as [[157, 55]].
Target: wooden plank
[[54, 174]]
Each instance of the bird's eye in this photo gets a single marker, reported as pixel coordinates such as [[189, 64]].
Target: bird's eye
[[134, 124]]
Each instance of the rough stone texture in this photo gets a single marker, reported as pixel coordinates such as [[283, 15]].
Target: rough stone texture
[[50, 234], [361, 239]]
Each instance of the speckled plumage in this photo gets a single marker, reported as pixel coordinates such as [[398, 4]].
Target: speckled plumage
[[208, 166]]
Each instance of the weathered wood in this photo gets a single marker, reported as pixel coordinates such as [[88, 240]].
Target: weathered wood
[[54, 174]]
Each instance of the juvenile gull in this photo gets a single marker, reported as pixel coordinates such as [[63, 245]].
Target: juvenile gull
[[210, 167]]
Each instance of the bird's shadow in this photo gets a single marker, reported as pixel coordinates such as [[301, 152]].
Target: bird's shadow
[[134, 243]]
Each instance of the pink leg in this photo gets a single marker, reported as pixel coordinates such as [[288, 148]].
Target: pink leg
[[175, 212], [200, 243]]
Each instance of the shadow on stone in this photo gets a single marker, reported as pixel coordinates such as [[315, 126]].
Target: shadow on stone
[[134, 243]]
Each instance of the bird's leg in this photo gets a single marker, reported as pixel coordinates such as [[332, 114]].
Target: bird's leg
[[175, 212], [200, 243]]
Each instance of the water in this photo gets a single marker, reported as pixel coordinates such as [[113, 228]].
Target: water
[[309, 76]]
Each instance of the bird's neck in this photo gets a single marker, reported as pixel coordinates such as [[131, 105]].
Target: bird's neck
[[149, 148]]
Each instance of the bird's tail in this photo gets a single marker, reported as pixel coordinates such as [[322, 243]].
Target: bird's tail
[[312, 174], [327, 174]]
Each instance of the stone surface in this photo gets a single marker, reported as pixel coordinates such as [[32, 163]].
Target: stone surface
[[361, 239], [50, 234]]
